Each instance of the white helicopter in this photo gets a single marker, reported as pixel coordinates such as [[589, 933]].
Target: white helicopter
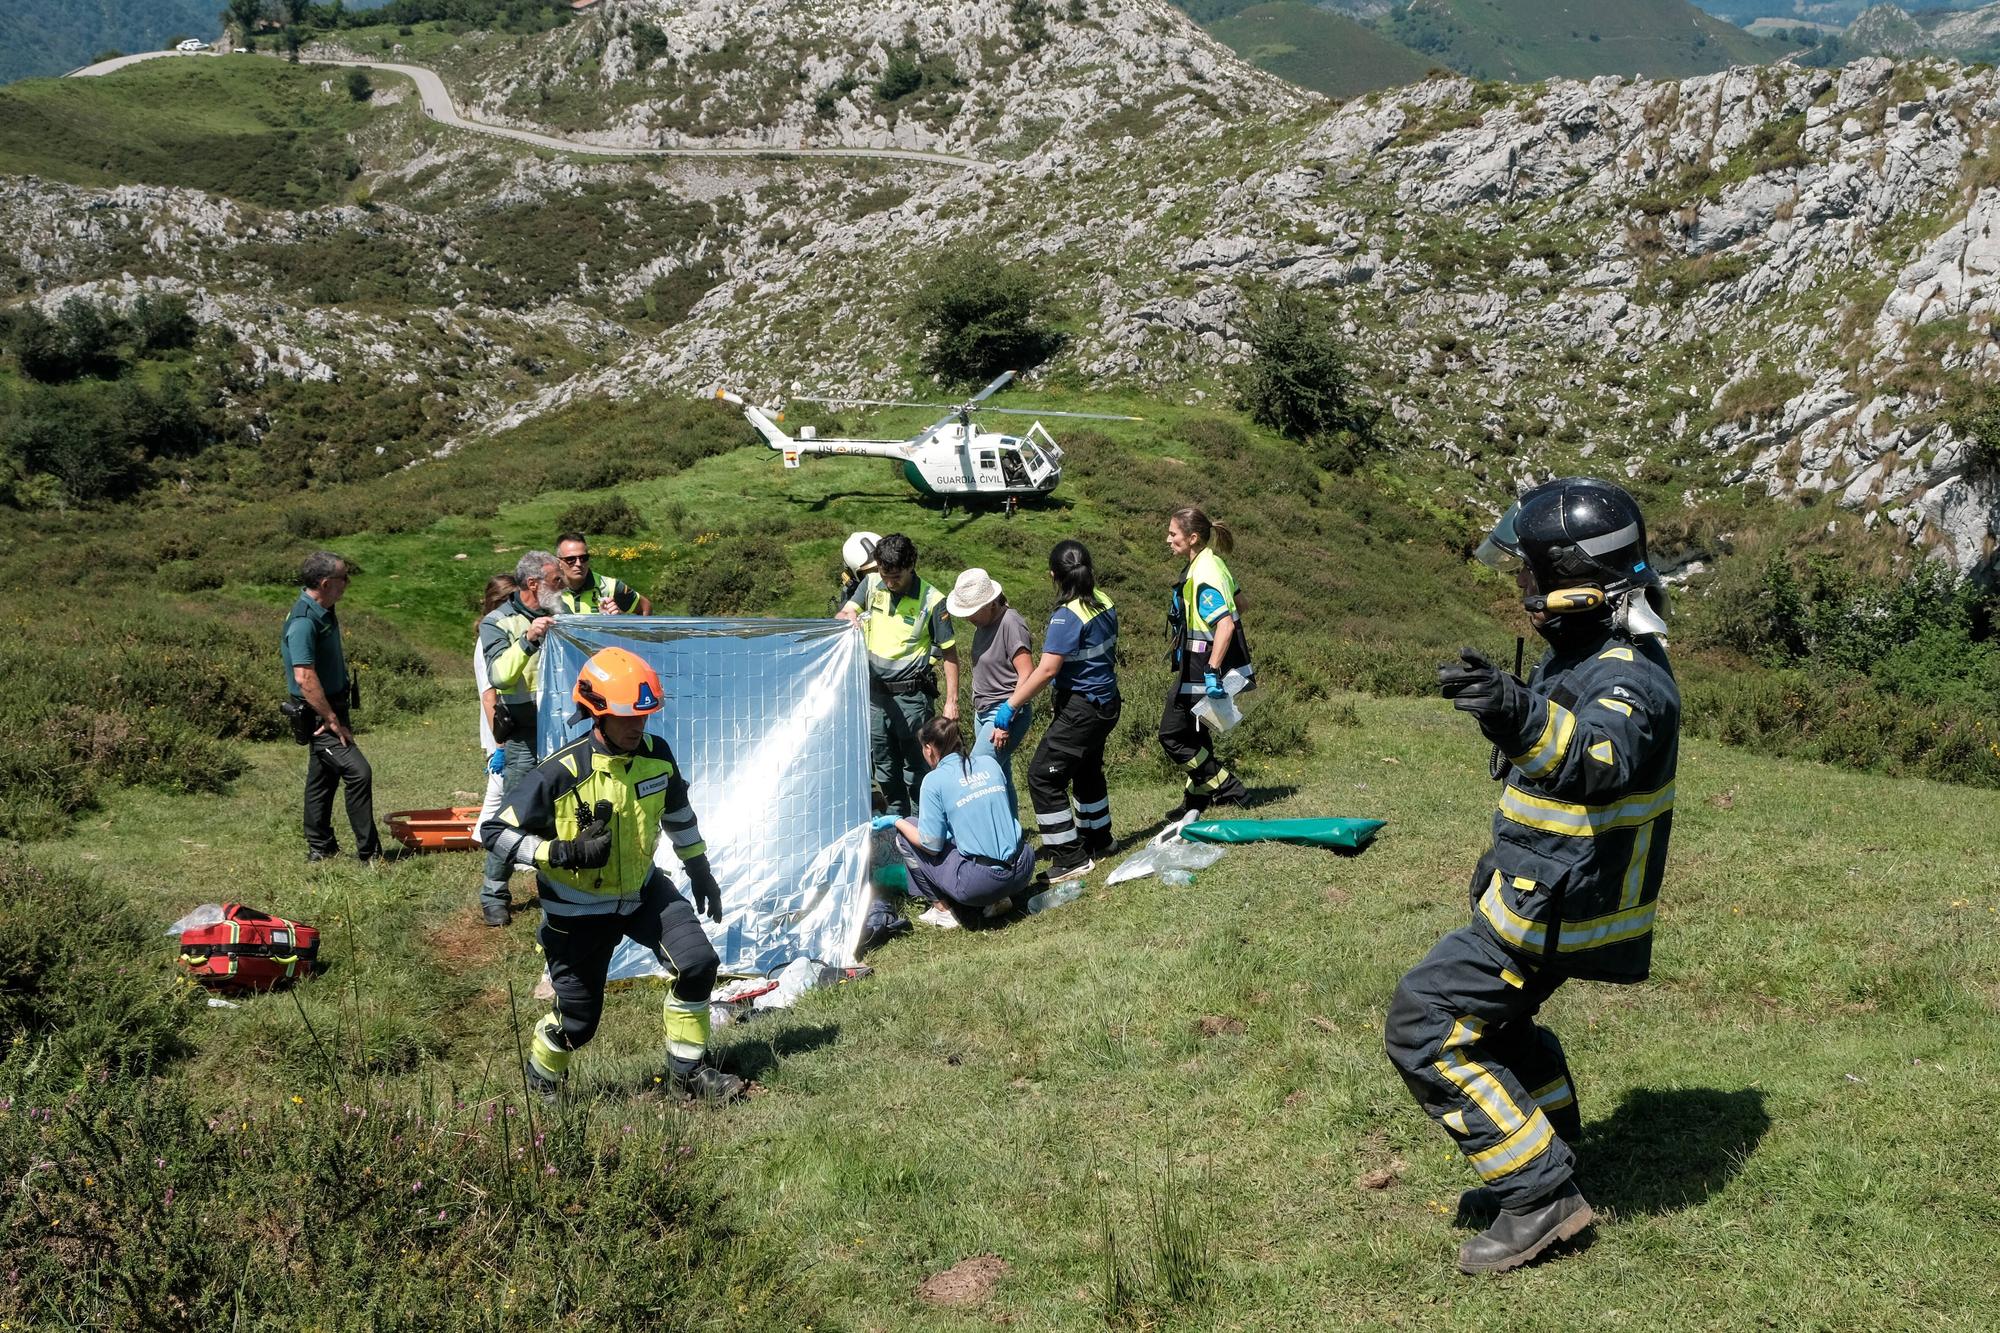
[[947, 459]]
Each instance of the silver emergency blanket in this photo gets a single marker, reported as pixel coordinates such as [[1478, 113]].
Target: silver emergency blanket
[[769, 722]]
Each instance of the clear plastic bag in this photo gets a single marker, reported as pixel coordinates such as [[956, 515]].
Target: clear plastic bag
[[208, 914], [1168, 851], [1224, 713]]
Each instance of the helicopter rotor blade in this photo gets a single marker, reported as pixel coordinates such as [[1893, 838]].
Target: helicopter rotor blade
[[1030, 412], [1005, 377], [868, 402]]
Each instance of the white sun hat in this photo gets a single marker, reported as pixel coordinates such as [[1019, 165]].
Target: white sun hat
[[975, 588]]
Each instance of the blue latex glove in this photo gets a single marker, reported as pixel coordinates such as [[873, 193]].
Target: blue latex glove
[[881, 822], [1003, 716], [496, 762], [1215, 690]]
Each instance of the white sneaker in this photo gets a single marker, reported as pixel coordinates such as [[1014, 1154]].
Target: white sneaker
[[940, 916]]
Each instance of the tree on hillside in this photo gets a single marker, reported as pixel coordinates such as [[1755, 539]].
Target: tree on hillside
[[1298, 384], [245, 14], [980, 316]]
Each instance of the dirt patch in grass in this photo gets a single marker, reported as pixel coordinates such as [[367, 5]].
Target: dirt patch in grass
[[967, 1282], [1220, 1025]]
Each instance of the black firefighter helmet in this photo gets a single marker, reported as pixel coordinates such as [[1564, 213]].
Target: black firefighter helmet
[[1584, 540]]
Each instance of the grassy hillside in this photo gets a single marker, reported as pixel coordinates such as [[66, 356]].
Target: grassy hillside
[[1326, 52], [1525, 40], [44, 38], [260, 131], [1181, 1087]]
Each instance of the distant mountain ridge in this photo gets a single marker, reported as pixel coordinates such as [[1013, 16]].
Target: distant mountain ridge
[[1346, 47], [44, 38]]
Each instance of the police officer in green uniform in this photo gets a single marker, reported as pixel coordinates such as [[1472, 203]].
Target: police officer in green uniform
[[587, 592], [317, 679], [587, 820], [510, 638], [1591, 741], [905, 627], [1208, 642]]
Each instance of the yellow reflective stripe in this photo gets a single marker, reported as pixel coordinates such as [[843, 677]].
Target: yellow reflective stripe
[[1549, 748], [1516, 1150], [686, 1024], [1617, 706], [1554, 1096], [1512, 978], [1584, 821], [691, 851], [1599, 931], [1515, 929], [1486, 1092], [1635, 869], [569, 762], [1200, 758], [1601, 752], [1455, 1122], [1615, 655], [1465, 1032]]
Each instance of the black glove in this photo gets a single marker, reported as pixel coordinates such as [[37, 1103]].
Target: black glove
[[706, 892], [591, 847], [1494, 697]]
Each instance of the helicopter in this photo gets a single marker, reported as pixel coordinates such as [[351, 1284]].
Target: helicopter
[[947, 459]]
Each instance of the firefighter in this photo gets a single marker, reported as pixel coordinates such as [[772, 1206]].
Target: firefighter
[[511, 636], [1569, 885], [586, 592], [586, 820], [1208, 643]]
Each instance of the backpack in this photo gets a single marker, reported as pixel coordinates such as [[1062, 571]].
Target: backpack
[[249, 950]]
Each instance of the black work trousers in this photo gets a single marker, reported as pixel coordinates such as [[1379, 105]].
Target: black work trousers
[[1069, 763], [579, 948], [330, 764], [1192, 747], [1461, 1032]]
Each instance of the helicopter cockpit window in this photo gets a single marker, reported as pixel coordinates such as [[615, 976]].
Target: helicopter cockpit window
[[987, 462], [1012, 470]]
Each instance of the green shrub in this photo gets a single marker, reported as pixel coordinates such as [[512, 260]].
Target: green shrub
[[85, 980], [980, 316], [611, 516], [139, 1206], [359, 86], [1297, 382], [736, 575]]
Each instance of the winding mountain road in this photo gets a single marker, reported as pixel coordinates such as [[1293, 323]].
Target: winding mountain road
[[437, 104]]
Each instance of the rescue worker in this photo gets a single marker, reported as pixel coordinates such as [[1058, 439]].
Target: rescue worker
[[1080, 654], [1208, 641], [510, 639], [857, 561], [586, 592], [1569, 885], [964, 850], [586, 820], [904, 626]]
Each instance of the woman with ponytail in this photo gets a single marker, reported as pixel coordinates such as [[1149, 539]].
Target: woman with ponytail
[[964, 850], [1208, 643], [1080, 654]]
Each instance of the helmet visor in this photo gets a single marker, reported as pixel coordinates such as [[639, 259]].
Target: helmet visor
[[1502, 548]]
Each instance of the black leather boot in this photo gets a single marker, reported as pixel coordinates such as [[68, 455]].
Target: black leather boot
[[1518, 1236]]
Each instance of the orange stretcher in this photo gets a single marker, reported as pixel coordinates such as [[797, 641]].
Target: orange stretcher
[[448, 830]]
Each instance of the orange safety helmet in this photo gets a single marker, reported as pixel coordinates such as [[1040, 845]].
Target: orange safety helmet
[[617, 682]]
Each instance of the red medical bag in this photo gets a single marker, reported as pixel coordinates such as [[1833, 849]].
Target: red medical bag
[[249, 950]]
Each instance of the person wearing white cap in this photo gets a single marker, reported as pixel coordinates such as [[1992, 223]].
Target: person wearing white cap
[[999, 660]]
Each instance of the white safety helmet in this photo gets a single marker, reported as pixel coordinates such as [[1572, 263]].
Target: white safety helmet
[[858, 554]]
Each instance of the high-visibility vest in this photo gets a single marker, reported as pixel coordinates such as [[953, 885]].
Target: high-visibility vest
[[1194, 630], [897, 631]]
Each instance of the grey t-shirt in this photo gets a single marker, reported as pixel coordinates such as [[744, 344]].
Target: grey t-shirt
[[993, 649]]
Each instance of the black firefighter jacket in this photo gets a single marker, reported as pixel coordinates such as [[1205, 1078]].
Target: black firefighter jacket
[[1580, 838]]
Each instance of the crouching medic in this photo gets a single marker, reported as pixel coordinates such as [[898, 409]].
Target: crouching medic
[[1568, 888], [586, 820]]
